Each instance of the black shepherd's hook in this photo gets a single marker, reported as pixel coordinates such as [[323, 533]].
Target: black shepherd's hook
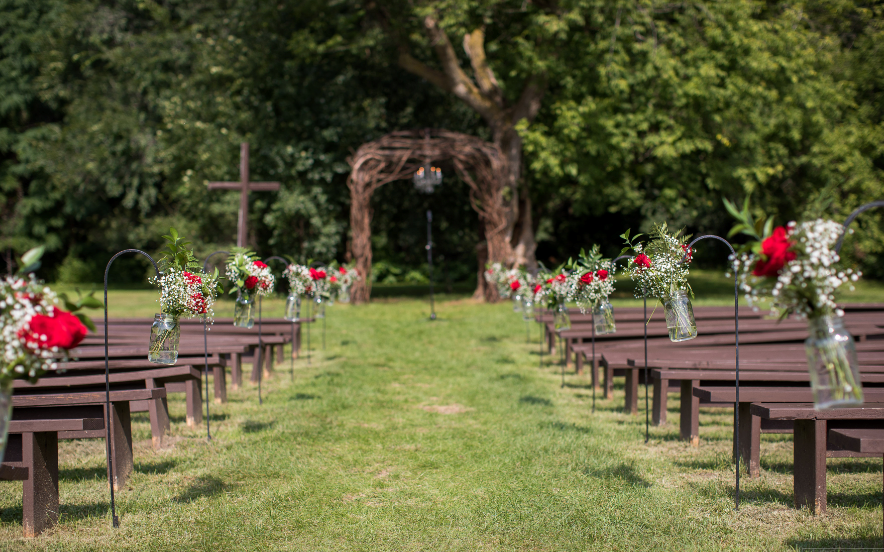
[[206, 347], [737, 342], [292, 355], [108, 417], [852, 216], [595, 371], [321, 265]]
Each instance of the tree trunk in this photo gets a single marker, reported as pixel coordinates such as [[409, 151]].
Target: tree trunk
[[519, 231]]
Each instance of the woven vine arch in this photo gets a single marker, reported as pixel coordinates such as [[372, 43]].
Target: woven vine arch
[[397, 156]]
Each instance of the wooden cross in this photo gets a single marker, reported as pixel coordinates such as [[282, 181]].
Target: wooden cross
[[244, 186]]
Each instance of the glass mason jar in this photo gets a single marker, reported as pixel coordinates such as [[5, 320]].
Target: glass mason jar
[[680, 317], [344, 295], [561, 319], [527, 308], [165, 333], [517, 302], [319, 310], [603, 318], [831, 359], [293, 308], [244, 311], [5, 413]]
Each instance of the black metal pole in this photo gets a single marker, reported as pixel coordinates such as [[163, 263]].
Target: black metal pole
[[310, 320], [595, 372], [542, 326], [430, 261], [107, 406], [206, 349], [647, 420], [260, 355], [292, 368], [737, 343]]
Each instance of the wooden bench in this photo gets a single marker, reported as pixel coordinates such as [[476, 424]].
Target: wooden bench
[[32, 458], [751, 427], [813, 443]]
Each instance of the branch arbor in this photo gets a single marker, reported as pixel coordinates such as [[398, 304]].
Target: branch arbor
[[244, 186], [397, 156], [485, 95]]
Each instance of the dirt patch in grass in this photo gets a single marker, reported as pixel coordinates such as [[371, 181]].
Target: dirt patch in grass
[[446, 408]]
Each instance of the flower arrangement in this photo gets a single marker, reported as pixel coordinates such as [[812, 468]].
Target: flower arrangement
[[558, 287], [347, 276], [248, 274], [320, 282], [185, 289], [591, 280], [300, 282], [657, 267], [795, 265], [35, 334]]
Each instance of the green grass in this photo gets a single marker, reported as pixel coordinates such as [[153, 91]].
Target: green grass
[[411, 435]]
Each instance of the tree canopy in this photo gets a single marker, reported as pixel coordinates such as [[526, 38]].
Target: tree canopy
[[115, 114]]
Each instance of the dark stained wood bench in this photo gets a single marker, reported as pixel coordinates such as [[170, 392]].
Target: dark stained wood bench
[[32, 457], [867, 441], [813, 444], [751, 427]]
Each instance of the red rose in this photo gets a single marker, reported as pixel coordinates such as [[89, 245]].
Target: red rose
[[586, 278], [561, 278], [332, 279], [192, 278], [199, 303], [776, 249], [549, 281], [62, 330], [688, 253], [251, 282], [342, 270], [317, 274], [602, 274], [514, 285], [642, 260], [537, 288], [259, 264]]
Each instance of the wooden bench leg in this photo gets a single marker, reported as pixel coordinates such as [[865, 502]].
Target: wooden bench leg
[[551, 340], [280, 353], [268, 363], [257, 361], [40, 492], [661, 397], [121, 443], [194, 402], [158, 411], [690, 413], [631, 406], [810, 465], [296, 346], [219, 377], [235, 370], [750, 440], [609, 382], [578, 367]]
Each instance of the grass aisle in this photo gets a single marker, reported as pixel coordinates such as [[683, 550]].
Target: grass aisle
[[411, 435]]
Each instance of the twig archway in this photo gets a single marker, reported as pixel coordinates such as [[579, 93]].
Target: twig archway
[[397, 156]]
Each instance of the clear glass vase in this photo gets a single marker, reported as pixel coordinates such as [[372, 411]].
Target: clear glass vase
[[680, 317], [319, 309], [165, 333], [244, 311], [831, 359], [603, 318], [293, 308], [5, 413], [527, 308], [561, 319], [517, 303], [344, 296]]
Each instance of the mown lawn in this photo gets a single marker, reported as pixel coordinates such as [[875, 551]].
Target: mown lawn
[[410, 435]]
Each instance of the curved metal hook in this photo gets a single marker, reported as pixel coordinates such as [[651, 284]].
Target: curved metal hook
[[206, 264], [277, 258], [713, 236], [852, 216], [110, 461]]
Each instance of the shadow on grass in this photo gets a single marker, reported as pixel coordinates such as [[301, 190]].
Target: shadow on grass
[[490, 339], [251, 426], [205, 485], [512, 376], [304, 397], [835, 545], [563, 426], [624, 472], [100, 472], [531, 399], [328, 375], [66, 512]]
